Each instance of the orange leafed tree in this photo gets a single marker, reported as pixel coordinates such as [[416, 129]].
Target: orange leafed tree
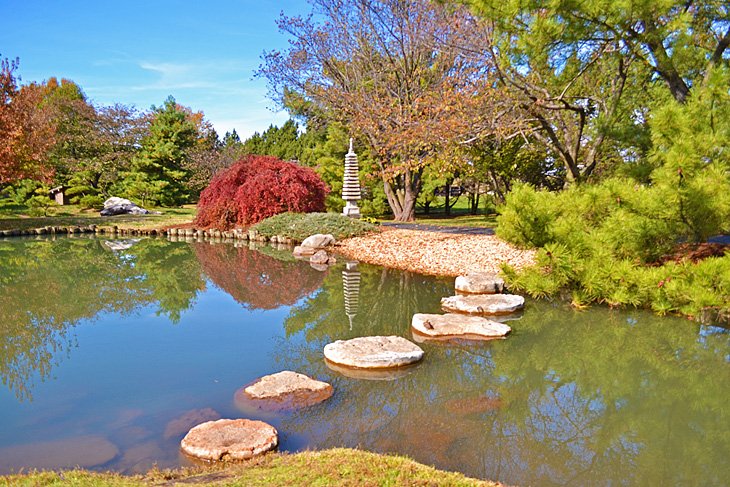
[[27, 128], [396, 73]]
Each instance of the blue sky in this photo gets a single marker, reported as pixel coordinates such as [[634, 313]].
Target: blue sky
[[204, 53]]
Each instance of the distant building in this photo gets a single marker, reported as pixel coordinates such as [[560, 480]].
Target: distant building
[[59, 195]]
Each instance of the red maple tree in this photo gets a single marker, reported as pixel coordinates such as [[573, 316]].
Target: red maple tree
[[258, 187]]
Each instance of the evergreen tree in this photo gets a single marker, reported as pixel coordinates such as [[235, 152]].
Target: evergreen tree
[[158, 175]]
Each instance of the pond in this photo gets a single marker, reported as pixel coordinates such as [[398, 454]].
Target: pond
[[111, 350]]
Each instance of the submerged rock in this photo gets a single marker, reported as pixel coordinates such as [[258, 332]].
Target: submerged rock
[[179, 426], [483, 304], [454, 325], [284, 391], [374, 352], [229, 439], [82, 451], [479, 283]]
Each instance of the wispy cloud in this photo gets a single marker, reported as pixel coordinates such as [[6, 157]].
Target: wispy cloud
[[222, 89]]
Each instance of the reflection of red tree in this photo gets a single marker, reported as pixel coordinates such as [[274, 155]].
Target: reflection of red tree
[[256, 280]]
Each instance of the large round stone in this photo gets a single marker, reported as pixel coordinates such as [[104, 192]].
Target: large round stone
[[283, 391], [479, 283], [454, 325], [375, 352], [229, 439], [483, 304]]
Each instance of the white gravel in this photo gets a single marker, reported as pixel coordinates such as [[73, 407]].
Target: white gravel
[[440, 254]]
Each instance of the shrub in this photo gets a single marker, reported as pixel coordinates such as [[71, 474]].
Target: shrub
[[298, 226], [602, 242], [258, 187], [91, 202]]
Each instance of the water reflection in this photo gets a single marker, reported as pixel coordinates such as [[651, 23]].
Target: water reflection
[[585, 398], [47, 286], [255, 279], [570, 398]]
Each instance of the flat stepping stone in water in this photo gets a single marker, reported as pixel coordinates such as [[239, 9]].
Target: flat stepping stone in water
[[483, 304], [230, 439], [375, 352], [284, 391], [454, 325], [479, 283]]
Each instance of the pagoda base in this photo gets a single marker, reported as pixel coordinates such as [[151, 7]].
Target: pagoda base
[[351, 209]]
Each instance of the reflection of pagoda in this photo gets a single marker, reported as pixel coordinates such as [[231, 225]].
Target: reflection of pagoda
[[351, 286], [351, 185]]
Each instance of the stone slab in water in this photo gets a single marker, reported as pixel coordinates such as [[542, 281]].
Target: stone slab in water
[[230, 439], [374, 352], [483, 304], [83, 451], [284, 391], [479, 283], [453, 325]]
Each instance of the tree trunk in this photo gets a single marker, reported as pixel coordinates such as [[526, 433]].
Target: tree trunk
[[402, 193], [447, 205]]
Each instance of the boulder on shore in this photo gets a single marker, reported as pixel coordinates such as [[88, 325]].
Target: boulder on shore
[[121, 206], [318, 241], [483, 304], [374, 352], [479, 283], [284, 390], [230, 439], [453, 325]]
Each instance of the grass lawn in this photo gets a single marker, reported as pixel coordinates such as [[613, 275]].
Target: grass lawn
[[338, 466], [18, 217], [460, 215]]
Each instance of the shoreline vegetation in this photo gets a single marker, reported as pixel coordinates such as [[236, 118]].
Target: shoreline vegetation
[[425, 252], [336, 466]]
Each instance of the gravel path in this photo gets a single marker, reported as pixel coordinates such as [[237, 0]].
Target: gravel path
[[441, 228], [434, 253]]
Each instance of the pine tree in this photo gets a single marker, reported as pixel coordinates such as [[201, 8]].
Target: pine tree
[[158, 175]]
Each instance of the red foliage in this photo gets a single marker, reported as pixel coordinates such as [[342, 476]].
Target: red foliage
[[258, 187], [256, 280]]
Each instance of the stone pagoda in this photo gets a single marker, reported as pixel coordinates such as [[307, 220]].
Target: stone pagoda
[[351, 186]]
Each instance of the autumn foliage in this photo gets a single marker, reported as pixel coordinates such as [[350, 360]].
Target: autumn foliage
[[256, 188]]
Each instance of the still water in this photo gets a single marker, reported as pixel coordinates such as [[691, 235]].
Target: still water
[[110, 351]]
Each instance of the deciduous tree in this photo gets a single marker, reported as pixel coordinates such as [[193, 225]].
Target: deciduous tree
[[391, 71]]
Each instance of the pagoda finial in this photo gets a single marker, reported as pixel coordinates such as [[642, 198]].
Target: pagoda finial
[[351, 145]]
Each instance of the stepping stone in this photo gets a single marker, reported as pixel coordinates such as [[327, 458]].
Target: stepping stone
[[82, 451], [453, 325], [283, 391], [483, 304], [479, 283], [375, 352], [229, 439]]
